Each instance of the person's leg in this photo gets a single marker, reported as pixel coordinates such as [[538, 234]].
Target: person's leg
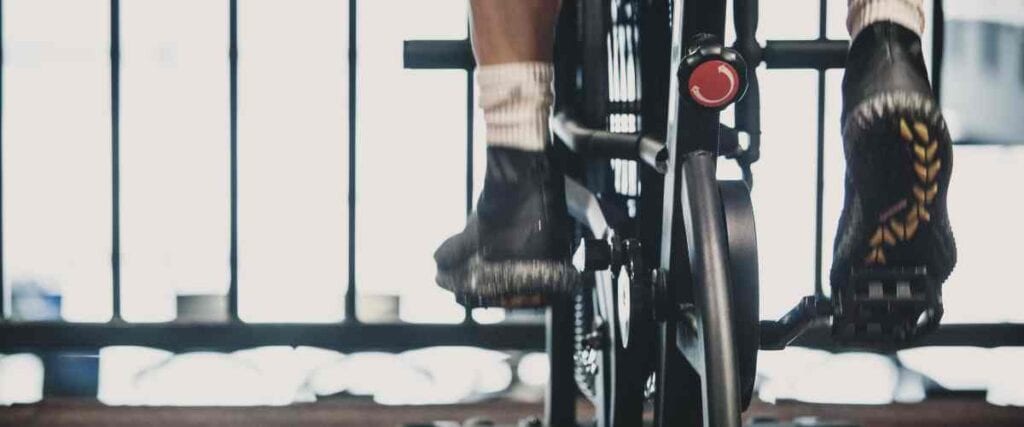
[[514, 251], [898, 150], [908, 14], [513, 42], [513, 31]]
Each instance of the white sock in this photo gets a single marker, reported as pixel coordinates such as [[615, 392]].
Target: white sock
[[516, 99], [908, 13]]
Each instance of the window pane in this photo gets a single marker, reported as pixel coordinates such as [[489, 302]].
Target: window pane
[[784, 196], [411, 156], [985, 212], [788, 20], [984, 59], [293, 159], [56, 163], [836, 20], [174, 155], [835, 171]]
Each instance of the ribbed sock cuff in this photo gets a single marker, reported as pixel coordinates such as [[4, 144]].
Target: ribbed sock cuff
[[908, 13], [516, 99]]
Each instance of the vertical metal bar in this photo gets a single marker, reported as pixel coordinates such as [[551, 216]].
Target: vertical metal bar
[[115, 143], [560, 396], [675, 402], [470, 113], [938, 47], [819, 286], [233, 126], [470, 117], [748, 109], [3, 291], [656, 39], [350, 295]]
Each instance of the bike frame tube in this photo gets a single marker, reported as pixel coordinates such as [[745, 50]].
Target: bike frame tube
[[693, 236]]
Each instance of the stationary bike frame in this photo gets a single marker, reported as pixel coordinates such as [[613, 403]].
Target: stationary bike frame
[[702, 297], [693, 224], [691, 273], [690, 242]]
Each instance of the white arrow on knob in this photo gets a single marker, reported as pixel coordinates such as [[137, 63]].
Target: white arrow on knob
[[722, 69]]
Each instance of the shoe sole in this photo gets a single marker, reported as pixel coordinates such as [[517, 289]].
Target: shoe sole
[[920, 169], [509, 284]]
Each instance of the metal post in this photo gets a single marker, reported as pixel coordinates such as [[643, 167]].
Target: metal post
[[350, 294], [748, 109], [470, 118], [233, 126], [3, 277], [938, 46], [560, 399], [819, 202], [468, 319], [115, 143]]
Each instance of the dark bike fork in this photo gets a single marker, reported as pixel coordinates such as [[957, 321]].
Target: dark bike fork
[[694, 249]]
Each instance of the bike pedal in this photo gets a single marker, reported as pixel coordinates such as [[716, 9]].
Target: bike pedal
[[886, 306]]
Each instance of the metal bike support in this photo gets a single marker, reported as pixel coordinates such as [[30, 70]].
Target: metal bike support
[[693, 225], [597, 143], [560, 396], [801, 326]]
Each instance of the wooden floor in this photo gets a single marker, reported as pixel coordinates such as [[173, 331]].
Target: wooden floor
[[959, 412]]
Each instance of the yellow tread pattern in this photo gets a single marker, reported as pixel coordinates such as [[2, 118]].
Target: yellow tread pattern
[[926, 166]]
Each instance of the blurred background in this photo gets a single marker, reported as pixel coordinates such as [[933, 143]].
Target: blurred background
[[311, 220]]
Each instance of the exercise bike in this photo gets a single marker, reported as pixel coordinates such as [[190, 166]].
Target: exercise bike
[[670, 316]]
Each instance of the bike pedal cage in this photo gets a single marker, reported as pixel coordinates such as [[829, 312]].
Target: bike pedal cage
[[882, 306]]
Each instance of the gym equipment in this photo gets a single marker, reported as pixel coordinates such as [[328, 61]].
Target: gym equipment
[[671, 315]]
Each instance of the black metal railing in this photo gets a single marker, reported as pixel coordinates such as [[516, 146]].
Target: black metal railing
[[233, 333]]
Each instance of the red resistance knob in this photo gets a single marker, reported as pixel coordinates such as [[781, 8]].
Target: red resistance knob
[[714, 84]]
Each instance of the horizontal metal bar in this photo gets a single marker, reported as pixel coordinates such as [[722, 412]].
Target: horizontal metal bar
[[438, 54], [233, 336], [184, 336], [598, 143], [971, 335], [813, 54]]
